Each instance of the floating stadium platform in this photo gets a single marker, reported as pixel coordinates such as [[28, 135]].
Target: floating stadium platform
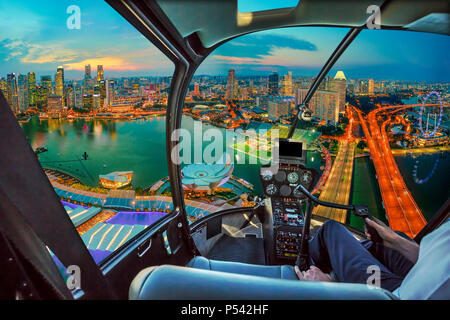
[[128, 215], [115, 180]]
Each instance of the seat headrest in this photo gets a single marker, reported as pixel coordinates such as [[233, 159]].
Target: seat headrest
[[181, 283]]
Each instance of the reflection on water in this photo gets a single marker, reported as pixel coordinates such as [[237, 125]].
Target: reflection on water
[[419, 180], [426, 176], [139, 146], [111, 146]]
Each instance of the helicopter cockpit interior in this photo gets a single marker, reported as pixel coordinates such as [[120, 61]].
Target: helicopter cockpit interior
[[217, 236]]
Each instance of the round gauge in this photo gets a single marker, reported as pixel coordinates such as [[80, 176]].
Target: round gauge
[[271, 189], [280, 176], [285, 190], [306, 178], [267, 175], [292, 177]]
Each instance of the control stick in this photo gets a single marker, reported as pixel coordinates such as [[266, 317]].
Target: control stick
[[362, 211]]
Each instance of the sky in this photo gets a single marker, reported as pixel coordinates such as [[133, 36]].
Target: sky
[[34, 37]]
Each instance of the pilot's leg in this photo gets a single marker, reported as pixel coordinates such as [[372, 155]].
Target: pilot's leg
[[335, 248], [393, 260]]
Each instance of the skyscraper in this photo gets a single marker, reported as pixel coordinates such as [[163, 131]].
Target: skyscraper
[[12, 94], [287, 85], [278, 108], [87, 72], [32, 89], [59, 84], [339, 85], [231, 85], [102, 89], [273, 84], [109, 99], [196, 89], [100, 74], [41, 97], [4, 86], [88, 88], [54, 104], [323, 105], [371, 87], [46, 82], [22, 91]]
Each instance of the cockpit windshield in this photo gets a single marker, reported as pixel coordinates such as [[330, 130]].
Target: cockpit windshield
[[241, 96], [378, 134], [90, 93]]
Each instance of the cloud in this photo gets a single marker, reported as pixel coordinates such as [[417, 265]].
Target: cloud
[[238, 60], [256, 45], [35, 53], [112, 63], [270, 50]]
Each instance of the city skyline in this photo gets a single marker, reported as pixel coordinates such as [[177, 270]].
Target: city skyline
[[41, 41]]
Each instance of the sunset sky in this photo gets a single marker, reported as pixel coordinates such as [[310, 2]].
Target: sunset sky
[[34, 37]]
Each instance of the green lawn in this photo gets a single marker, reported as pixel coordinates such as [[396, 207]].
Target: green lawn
[[365, 190]]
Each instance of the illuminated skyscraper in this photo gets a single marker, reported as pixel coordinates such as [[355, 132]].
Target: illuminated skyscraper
[[100, 74], [88, 88], [41, 97], [231, 85], [22, 91], [278, 108], [4, 86], [287, 85], [46, 82], [371, 87], [88, 101], [87, 72], [59, 84], [54, 104], [102, 89], [273, 84], [323, 105], [339, 85], [109, 99], [197, 89], [32, 89], [12, 93]]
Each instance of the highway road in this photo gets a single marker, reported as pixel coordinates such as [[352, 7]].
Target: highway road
[[402, 212], [338, 186]]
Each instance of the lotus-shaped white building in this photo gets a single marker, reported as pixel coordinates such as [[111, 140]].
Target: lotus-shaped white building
[[206, 177]]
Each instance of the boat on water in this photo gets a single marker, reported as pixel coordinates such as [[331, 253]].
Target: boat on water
[[117, 179], [24, 119], [44, 116], [40, 150]]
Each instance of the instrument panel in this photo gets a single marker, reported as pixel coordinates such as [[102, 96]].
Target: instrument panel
[[285, 205], [283, 183]]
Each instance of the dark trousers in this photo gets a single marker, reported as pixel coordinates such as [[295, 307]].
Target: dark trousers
[[334, 248]]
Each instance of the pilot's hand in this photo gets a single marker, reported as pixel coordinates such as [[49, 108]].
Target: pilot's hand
[[313, 274], [390, 238]]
